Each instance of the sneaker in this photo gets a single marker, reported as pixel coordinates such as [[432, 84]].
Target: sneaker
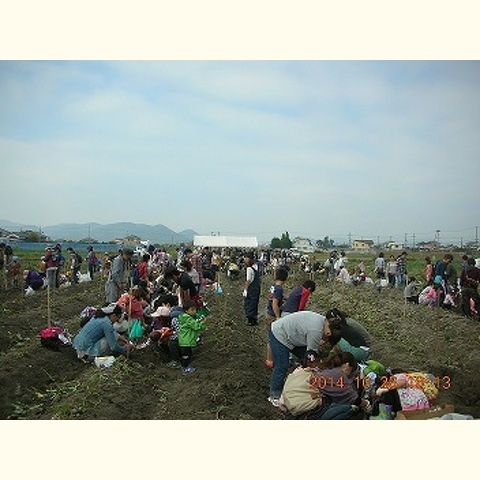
[[274, 401], [188, 370], [143, 345], [173, 364]]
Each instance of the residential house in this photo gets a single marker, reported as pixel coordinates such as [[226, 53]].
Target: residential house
[[363, 245]]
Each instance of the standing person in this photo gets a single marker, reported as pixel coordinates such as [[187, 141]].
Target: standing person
[[15, 273], [401, 269], [189, 328], [469, 281], [143, 267], [98, 337], [92, 261], [444, 273], [380, 266], [52, 267], [75, 262], [274, 305], [429, 270], [296, 333], [251, 291], [340, 263], [298, 298], [391, 270], [115, 284]]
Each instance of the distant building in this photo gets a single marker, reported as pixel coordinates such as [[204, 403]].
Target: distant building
[[131, 240], [303, 245], [6, 236], [428, 246], [362, 245], [394, 246]]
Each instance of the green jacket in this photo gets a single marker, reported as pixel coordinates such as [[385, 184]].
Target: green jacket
[[189, 330]]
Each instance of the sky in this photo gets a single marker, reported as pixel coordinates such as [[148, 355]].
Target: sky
[[363, 149]]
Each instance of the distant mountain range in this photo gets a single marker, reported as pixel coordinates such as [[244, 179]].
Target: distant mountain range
[[106, 233]]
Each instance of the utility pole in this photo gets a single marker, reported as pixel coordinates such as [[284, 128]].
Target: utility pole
[[406, 241], [349, 239], [413, 240], [476, 238]]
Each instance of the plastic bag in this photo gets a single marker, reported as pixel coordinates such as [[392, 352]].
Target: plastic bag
[[104, 362], [137, 330]]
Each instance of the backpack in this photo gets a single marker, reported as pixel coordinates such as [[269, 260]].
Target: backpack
[[79, 258], [299, 392], [54, 338]]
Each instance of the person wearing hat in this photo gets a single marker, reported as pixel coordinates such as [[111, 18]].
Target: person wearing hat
[[251, 291], [160, 328], [15, 272], [115, 284], [98, 337], [52, 265]]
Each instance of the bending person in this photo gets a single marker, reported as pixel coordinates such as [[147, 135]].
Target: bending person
[[98, 337], [296, 333]]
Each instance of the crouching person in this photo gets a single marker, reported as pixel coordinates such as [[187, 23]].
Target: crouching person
[[98, 337], [331, 394]]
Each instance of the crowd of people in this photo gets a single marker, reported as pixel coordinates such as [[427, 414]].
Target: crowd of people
[[154, 299]]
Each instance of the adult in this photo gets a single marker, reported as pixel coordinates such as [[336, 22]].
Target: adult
[[92, 261], [296, 333], [469, 280], [401, 269], [429, 270], [251, 291], [185, 287], [380, 266], [52, 266], [355, 338], [98, 337], [391, 270], [196, 262], [75, 262], [33, 279], [340, 399], [115, 284]]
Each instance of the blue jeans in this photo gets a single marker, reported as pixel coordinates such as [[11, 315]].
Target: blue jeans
[[337, 411], [281, 360], [400, 280], [332, 411]]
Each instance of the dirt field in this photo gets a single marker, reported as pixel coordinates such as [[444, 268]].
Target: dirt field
[[231, 381]]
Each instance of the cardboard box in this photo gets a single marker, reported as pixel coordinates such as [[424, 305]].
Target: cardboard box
[[432, 412]]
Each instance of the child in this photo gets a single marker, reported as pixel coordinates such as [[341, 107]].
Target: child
[[275, 301], [435, 295], [160, 328], [15, 273], [410, 291], [297, 300], [189, 328]]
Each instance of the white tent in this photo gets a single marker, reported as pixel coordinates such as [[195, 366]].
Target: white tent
[[224, 241]]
